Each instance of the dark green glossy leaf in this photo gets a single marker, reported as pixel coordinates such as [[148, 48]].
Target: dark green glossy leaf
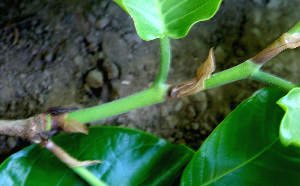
[[290, 124], [130, 158], [172, 18], [245, 148]]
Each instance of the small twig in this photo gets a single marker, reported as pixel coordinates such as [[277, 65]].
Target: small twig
[[63, 156], [16, 37]]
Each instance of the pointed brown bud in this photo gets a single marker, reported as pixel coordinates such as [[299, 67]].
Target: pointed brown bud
[[195, 84]]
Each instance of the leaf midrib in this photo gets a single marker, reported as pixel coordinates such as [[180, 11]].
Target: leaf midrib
[[191, 12]]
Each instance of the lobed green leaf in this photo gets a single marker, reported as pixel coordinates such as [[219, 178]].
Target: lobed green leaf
[[290, 124], [129, 158], [245, 148], [172, 18]]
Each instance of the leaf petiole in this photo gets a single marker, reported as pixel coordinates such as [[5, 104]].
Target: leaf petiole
[[165, 60]]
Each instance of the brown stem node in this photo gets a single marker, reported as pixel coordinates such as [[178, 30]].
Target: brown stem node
[[59, 121], [195, 84], [285, 41]]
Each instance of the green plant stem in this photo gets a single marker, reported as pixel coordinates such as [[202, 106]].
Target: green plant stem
[[245, 70], [241, 71], [153, 95], [272, 80], [157, 93], [88, 176], [165, 59]]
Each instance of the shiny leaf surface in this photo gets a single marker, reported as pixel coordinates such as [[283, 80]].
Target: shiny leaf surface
[[129, 158], [290, 124], [245, 148], [172, 18]]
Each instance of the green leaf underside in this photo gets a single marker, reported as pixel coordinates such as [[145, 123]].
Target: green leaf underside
[[245, 148], [129, 158], [172, 18], [290, 124]]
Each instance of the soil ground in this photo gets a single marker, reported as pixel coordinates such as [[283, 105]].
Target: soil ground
[[77, 53]]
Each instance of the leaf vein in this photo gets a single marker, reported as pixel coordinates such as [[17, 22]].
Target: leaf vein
[[187, 13], [242, 164]]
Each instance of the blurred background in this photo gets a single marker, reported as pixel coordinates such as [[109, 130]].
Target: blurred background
[[77, 53]]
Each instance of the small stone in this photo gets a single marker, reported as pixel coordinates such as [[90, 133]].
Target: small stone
[[11, 142], [203, 132], [87, 89], [178, 106], [187, 127], [94, 79], [257, 16], [206, 127], [49, 57], [220, 54], [102, 23], [38, 30], [91, 18], [111, 69], [100, 55], [165, 111], [179, 135], [195, 126], [172, 121], [93, 38], [78, 60], [191, 112]]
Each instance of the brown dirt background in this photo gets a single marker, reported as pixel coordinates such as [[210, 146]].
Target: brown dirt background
[[49, 49]]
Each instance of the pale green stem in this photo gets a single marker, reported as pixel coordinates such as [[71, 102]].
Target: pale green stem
[[272, 80], [246, 70], [153, 95], [241, 71], [88, 176], [165, 59]]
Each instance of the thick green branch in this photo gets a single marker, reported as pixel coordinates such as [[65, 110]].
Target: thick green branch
[[153, 95]]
